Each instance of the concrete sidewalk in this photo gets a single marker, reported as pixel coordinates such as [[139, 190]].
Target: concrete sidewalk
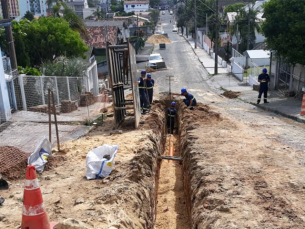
[[206, 60], [286, 106]]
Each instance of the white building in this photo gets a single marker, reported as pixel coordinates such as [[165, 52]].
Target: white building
[[132, 6], [78, 6]]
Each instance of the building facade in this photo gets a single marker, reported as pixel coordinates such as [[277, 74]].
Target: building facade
[[134, 6], [37, 7], [14, 8], [78, 6]]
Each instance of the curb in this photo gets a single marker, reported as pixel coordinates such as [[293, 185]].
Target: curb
[[278, 112], [196, 55]]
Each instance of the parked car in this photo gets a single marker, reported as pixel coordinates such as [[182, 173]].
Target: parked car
[[159, 32], [163, 12], [175, 29], [154, 59], [171, 12]]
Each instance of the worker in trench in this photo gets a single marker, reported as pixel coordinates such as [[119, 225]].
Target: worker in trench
[[263, 79], [150, 89], [171, 115], [189, 100], [142, 92]]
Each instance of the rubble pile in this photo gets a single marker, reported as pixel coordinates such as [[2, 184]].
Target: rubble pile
[[68, 106], [158, 39]]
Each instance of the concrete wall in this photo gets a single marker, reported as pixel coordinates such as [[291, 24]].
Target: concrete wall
[[5, 109], [237, 70]]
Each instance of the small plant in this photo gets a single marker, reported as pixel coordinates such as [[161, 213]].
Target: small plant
[[29, 71], [88, 122]]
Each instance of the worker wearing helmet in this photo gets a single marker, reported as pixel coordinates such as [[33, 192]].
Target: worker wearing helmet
[[189, 100], [150, 88], [142, 92], [171, 114], [263, 79]]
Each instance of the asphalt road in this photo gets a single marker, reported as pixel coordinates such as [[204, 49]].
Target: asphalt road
[[181, 62]]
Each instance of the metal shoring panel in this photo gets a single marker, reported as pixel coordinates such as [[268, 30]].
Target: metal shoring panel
[[135, 88]]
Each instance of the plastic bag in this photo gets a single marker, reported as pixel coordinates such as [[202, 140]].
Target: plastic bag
[[39, 157], [100, 161]]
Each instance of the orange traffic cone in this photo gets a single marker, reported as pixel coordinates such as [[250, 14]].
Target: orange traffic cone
[[303, 106], [33, 212]]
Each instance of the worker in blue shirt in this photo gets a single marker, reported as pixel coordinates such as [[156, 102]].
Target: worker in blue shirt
[[142, 92], [171, 114], [189, 100], [263, 79], [150, 88]]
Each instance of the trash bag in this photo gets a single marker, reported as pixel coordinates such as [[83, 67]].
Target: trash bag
[[100, 161], [39, 157]]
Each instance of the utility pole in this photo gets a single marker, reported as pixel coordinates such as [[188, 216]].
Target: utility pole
[[195, 24], [216, 40], [248, 37], [9, 38], [206, 24]]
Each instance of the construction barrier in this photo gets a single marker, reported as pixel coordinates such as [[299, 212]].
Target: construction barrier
[[34, 215]]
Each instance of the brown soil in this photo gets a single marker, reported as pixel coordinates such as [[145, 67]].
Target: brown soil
[[150, 70], [238, 177], [171, 206], [158, 39], [231, 94], [13, 162], [124, 199]]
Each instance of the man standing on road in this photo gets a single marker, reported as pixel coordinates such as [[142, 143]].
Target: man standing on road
[[142, 92], [189, 100], [171, 114], [263, 79], [150, 88]]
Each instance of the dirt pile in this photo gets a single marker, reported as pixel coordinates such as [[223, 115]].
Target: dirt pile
[[237, 178], [158, 39], [124, 199], [13, 162], [150, 70], [231, 94]]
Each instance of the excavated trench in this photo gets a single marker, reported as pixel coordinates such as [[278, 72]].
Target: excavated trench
[[172, 188]]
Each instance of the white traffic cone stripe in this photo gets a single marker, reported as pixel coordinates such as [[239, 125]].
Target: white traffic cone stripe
[[31, 184], [33, 210]]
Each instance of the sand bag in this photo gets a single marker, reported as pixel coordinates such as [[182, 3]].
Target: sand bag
[[39, 157], [100, 161]]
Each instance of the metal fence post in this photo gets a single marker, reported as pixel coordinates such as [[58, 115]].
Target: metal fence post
[[68, 87], [95, 79], [42, 90], [56, 88], [20, 79]]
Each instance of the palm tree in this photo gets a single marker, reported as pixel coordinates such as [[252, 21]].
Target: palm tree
[[240, 27], [98, 14]]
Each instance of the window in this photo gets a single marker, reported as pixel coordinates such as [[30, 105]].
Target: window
[[132, 5], [126, 6]]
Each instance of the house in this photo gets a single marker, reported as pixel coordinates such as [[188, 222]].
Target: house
[[105, 5], [78, 6], [132, 6], [101, 32]]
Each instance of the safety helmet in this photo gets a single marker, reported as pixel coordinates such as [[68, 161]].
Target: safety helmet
[[143, 72], [183, 90], [148, 75], [264, 70], [173, 104]]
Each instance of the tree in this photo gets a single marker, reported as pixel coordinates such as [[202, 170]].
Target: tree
[[28, 15], [284, 29], [234, 8], [47, 38], [154, 16], [240, 27], [154, 3], [98, 14]]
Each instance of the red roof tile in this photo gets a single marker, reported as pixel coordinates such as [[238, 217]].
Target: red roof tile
[[96, 36]]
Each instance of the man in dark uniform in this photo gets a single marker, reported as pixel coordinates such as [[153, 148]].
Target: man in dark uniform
[[171, 114], [263, 79], [150, 88], [142, 92], [189, 100]]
